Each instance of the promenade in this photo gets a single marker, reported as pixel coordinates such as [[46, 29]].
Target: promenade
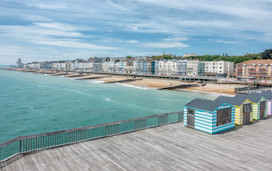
[[169, 147]]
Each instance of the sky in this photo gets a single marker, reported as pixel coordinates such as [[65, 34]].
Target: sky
[[46, 30]]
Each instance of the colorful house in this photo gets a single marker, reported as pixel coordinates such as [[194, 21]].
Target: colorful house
[[268, 96], [243, 108], [209, 116], [259, 104]]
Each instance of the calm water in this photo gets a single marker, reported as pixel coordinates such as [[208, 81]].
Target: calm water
[[34, 103]]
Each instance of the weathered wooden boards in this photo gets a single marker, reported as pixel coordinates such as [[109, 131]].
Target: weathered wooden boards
[[170, 147]]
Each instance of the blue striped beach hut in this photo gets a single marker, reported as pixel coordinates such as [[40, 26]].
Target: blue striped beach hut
[[209, 116]]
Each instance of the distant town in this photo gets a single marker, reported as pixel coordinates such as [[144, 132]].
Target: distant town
[[190, 65], [138, 65]]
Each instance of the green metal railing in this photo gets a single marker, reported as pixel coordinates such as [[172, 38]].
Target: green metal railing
[[25, 144]]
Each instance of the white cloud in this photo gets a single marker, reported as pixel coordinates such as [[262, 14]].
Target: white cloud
[[134, 25], [226, 41], [165, 45], [133, 28], [72, 43], [48, 6], [132, 41]]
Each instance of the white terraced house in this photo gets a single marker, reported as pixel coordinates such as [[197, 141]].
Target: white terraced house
[[192, 68], [220, 68]]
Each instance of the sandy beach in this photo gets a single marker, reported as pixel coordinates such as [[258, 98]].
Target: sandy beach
[[214, 88], [227, 89], [161, 83]]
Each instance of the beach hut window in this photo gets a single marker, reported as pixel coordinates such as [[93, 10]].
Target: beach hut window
[[223, 116]]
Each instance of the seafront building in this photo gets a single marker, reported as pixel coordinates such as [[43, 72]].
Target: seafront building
[[19, 63], [259, 70], [139, 65], [221, 68]]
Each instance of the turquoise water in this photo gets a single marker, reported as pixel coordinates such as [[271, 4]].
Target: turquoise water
[[35, 103]]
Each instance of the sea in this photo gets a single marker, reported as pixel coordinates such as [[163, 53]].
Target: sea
[[33, 103]]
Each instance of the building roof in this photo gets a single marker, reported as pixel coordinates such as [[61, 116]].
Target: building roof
[[254, 97], [264, 61], [237, 101], [267, 95], [208, 105]]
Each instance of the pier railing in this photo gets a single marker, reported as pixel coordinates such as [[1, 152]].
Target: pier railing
[[248, 90], [26, 144]]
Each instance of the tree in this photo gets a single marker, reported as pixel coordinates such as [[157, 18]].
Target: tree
[[267, 54]]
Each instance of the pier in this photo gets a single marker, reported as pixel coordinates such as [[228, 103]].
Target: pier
[[169, 147], [179, 86], [92, 77], [73, 75], [123, 81], [59, 74]]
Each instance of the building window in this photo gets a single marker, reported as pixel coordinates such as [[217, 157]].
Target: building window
[[223, 116]]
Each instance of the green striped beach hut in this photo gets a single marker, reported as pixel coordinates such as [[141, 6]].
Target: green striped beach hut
[[209, 116], [259, 106]]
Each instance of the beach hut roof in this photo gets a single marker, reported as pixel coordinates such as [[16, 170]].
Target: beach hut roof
[[208, 105], [267, 95], [254, 97], [237, 101]]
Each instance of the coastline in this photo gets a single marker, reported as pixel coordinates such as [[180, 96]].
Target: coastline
[[154, 83], [161, 83]]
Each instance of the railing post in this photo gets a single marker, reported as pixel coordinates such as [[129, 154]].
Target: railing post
[[20, 144]]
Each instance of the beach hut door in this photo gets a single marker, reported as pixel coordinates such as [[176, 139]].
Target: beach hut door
[[191, 118], [246, 113], [262, 109]]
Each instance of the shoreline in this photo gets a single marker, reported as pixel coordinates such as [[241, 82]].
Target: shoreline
[[152, 83]]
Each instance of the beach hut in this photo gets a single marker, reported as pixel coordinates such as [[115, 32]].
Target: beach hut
[[268, 96], [209, 116], [243, 108], [259, 107]]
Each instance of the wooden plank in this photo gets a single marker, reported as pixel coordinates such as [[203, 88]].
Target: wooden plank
[[170, 147]]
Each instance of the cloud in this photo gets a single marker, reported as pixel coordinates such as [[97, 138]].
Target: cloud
[[226, 41], [50, 7], [165, 45], [133, 28], [120, 27], [53, 34], [132, 41], [72, 43]]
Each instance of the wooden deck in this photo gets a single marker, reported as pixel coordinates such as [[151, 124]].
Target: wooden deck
[[170, 147]]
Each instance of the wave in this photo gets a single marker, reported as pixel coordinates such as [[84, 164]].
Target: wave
[[96, 81], [205, 92], [133, 86], [29, 107], [73, 78], [74, 91], [108, 99]]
